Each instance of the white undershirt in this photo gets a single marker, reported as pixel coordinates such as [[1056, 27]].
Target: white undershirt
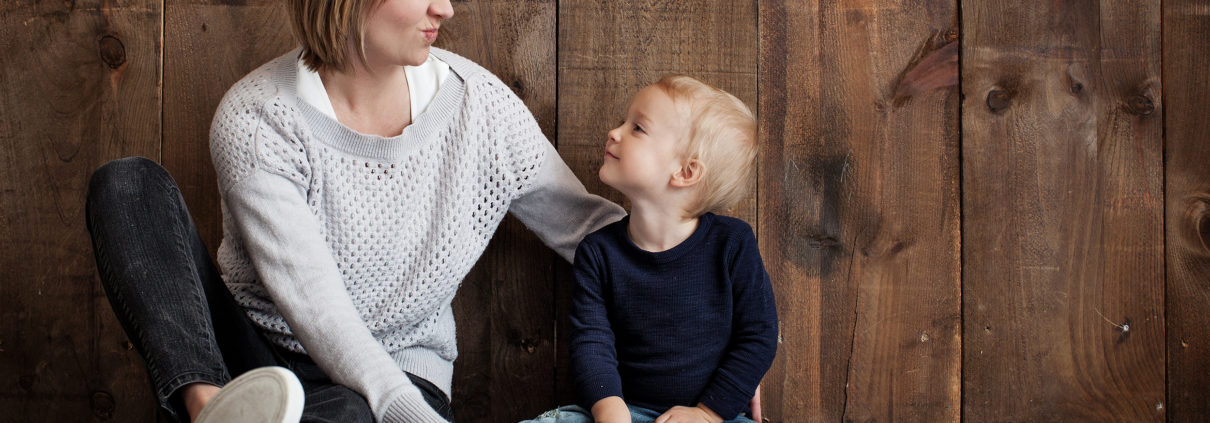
[[423, 83]]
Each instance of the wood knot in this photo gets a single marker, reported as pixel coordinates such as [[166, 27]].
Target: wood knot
[[113, 53], [529, 345], [26, 382], [102, 405], [1140, 105], [518, 88], [998, 100], [1201, 224], [1077, 88]]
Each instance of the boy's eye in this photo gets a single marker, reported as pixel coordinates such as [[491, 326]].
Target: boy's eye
[[638, 128]]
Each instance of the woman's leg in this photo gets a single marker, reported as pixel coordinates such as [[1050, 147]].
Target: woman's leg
[[162, 284]]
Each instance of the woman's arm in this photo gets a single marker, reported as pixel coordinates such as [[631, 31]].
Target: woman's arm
[[263, 180], [557, 207], [291, 259], [547, 196]]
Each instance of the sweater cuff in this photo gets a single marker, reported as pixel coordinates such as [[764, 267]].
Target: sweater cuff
[[410, 407], [597, 387], [728, 401]]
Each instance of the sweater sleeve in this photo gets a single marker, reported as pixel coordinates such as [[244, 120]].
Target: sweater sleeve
[[594, 363], [545, 195], [753, 342], [263, 186], [558, 209]]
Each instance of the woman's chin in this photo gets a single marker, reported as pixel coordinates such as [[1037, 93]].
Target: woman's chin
[[418, 58]]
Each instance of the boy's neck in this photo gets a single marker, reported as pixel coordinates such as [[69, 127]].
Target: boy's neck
[[655, 229]]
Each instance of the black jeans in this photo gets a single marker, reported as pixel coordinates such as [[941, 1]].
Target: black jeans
[[174, 307]]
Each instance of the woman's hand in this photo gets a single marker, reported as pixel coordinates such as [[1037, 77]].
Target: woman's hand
[[681, 414]]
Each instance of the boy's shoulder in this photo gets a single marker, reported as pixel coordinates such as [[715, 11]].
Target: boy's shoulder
[[606, 234], [730, 224], [731, 229]]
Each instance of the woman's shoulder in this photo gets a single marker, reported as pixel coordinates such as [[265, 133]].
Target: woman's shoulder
[[261, 86], [480, 83], [465, 68]]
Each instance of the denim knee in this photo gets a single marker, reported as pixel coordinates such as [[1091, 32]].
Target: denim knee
[[336, 403], [125, 179]]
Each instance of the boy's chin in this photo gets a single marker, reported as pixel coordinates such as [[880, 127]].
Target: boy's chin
[[605, 178]]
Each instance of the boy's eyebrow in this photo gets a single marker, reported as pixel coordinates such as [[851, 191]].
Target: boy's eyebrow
[[639, 116]]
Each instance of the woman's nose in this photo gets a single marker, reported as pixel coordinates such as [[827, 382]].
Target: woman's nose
[[441, 9]]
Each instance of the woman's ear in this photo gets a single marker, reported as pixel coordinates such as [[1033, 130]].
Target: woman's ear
[[689, 174]]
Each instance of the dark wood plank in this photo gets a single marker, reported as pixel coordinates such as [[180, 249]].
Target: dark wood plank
[[79, 86], [506, 337], [859, 204], [1062, 190], [1187, 207], [208, 46], [610, 50]]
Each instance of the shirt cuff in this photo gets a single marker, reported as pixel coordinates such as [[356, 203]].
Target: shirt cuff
[[597, 387]]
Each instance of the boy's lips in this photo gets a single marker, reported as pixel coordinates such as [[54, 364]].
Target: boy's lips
[[609, 155]]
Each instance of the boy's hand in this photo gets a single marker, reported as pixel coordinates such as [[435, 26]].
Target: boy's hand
[[755, 405], [681, 414], [611, 410]]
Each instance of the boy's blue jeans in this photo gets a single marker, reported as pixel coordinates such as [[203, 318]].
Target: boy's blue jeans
[[577, 414]]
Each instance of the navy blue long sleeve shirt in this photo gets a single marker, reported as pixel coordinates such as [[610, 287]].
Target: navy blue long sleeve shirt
[[696, 323]]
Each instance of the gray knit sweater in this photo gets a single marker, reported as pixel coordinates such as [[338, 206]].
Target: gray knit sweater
[[350, 247]]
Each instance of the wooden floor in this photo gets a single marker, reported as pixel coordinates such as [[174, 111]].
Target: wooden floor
[[972, 210]]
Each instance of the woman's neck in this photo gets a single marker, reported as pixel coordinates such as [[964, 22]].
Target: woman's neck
[[373, 102], [657, 228]]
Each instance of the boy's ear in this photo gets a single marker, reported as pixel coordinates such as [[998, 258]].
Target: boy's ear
[[689, 174]]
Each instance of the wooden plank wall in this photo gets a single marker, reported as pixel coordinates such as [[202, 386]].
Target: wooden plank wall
[[859, 208], [1023, 237], [1063, 274], [79, 85], [1187, 207]]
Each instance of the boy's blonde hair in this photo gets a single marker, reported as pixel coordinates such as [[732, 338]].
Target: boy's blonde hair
[[722, 136], [325, 27]]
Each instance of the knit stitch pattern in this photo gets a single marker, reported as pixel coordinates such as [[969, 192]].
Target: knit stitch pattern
[[404, 224]]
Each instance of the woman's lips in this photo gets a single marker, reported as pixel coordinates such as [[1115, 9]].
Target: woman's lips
[[430, 35]]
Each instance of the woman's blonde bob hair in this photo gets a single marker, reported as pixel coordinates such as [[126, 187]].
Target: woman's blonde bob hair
[[721, 136], [329, 29]]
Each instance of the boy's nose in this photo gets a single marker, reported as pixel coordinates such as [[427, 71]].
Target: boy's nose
[[613, 135]]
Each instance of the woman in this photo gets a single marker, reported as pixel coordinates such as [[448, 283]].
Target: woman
[[361, 177]]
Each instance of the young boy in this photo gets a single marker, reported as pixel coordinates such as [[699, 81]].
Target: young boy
[[673, 318]]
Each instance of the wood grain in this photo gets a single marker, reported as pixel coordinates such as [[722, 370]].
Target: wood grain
[[79, 86], [859, 207], [1062, 196], [207, 48], [504, 310], [1187, 207]]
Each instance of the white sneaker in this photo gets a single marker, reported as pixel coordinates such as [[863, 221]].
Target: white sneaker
[[263, 395]]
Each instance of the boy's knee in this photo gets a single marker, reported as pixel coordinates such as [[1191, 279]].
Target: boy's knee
[[129, 177]]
